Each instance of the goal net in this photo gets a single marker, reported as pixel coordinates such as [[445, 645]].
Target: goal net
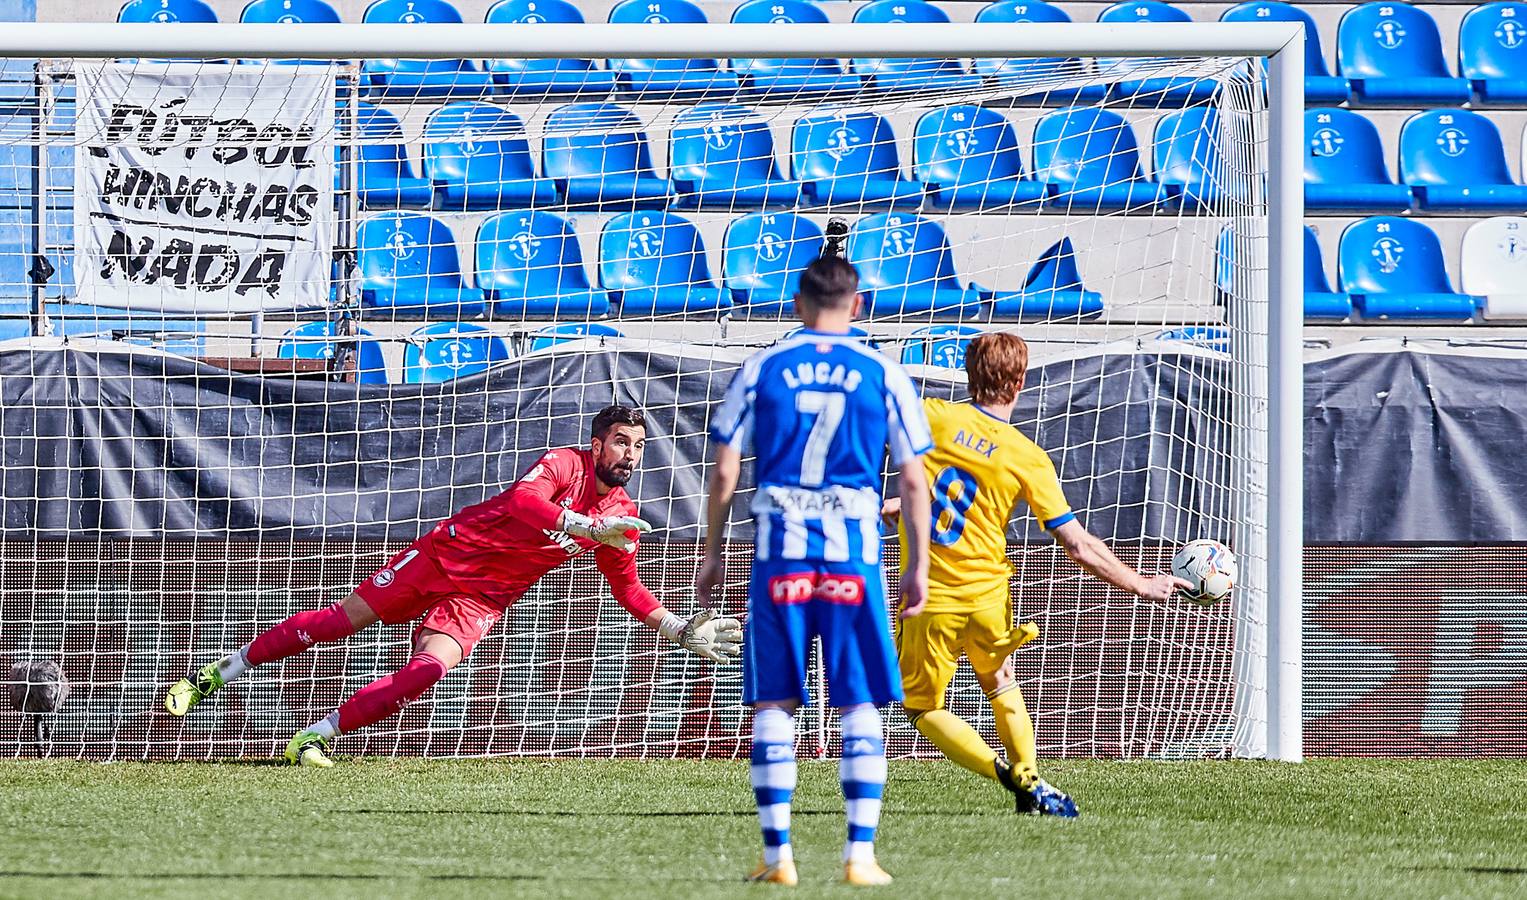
[[269, 320]]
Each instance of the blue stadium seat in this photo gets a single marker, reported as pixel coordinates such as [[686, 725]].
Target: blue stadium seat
[[644, 75], [544, 76], [1344, 166], [1392, 54], [409, 266], [938, 345], [1041, 75], [477, 157], [1320, 301], [446, 351], [384, 177], [1208, 337], [1492, 52], [850, 157], [1321, 88], [906, 267], [552, 335], [1155, 91], [1393, 269], [763, 257], [1052, 290], [1188, 161], [1455, 162], [320, 340], [654, 263], [597, 153], [290, 12], [407, 79], [1088, 158], [530, 264], [788, 76], [166, 11], [910, 73], [722, 158], [968, 157]]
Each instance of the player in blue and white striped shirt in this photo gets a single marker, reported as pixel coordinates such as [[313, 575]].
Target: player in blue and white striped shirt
[[819, 410]]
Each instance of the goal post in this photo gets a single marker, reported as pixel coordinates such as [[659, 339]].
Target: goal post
[[1230, 328]]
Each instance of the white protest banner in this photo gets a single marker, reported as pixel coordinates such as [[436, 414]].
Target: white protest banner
[[204, 188]]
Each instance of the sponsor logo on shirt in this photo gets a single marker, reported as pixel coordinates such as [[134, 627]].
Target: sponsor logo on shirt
[[799, 587], [382, 578]]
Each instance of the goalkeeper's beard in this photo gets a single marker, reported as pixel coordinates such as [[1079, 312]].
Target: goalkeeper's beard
[[616, 475]]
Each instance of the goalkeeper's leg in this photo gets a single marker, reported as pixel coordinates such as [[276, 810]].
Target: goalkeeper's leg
[[292, 636]]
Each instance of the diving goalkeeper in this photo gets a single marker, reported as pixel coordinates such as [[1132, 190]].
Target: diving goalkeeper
[[463, 575], [980, 468]]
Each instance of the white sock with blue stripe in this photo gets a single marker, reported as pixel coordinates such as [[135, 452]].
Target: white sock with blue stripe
[[774, 775], [862, 772]]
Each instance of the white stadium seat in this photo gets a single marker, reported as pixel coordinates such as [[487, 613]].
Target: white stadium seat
[[1495, 265]]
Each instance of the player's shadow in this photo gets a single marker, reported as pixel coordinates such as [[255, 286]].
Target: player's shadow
[[1474, 870], [647, 814], [391, 877]]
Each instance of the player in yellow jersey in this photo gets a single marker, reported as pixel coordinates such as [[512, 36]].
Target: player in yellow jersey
[[979, 469]]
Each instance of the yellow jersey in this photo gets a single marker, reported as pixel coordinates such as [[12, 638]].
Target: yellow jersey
[[979, 468]]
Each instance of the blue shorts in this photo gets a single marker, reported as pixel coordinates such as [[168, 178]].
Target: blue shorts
[[790, 601]]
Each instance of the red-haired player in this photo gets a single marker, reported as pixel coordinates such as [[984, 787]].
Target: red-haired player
[[463, 575]]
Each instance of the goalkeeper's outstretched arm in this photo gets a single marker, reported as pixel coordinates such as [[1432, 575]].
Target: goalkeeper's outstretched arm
[[717, 638], [1089, 552]]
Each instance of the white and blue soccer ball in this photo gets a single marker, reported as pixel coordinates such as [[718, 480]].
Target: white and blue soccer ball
[[1209, 568]]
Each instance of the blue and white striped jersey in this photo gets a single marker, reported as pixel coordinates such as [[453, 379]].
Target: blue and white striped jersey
[[819, 411]]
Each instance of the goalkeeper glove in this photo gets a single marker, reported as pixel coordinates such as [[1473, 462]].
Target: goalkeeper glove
[[716, 639], [1004, 646], [610, 530]]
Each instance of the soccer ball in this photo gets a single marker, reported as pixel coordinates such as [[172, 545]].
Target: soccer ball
[[1209, 568]]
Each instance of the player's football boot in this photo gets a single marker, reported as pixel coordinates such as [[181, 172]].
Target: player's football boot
[[865, 873], [192, 689], [306, 748], [1045, 800], [782, 872]]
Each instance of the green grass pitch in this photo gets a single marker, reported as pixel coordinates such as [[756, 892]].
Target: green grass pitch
[[404, 828]]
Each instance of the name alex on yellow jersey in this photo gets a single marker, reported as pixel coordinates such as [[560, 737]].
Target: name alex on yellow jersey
[[979, 468]]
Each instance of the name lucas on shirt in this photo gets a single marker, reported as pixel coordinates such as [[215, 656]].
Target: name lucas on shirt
[[806, 374]]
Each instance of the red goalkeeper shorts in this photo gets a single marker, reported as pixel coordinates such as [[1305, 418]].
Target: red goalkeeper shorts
[[411, 585]]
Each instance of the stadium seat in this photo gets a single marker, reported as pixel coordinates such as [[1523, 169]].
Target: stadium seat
[[384, 177], [166, 11], [1320, 302], [788, 76], [938, 345], [1187, 158], [552, 335], [722, 158], [544, 76], [646, 75], [1088, 159], [1393, 269], [290, 12], [1051, 290], [1344, 168], [1152, 90], [762, 260], [477, 157], [409, 79], [653, 264], [1495, 266], [1208, 337], [1321, 88], [409, 266], [968, 158], [1054, 80], [1492, 53], [849, 157], [320, 340], [445, 351], [906, 268], [597, 153], [910, 73], [1454, 161], [531, 266], [1392, 54]]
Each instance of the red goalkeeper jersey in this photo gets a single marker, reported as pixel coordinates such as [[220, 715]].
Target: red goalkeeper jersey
[[500, 547]]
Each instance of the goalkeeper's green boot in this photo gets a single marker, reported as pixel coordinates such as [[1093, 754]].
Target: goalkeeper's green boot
[[307, 748], [192, 689]]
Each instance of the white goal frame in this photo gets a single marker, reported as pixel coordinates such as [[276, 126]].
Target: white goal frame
[[1280, 43]]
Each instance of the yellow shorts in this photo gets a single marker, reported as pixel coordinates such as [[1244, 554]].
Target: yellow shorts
[[929, 648]]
